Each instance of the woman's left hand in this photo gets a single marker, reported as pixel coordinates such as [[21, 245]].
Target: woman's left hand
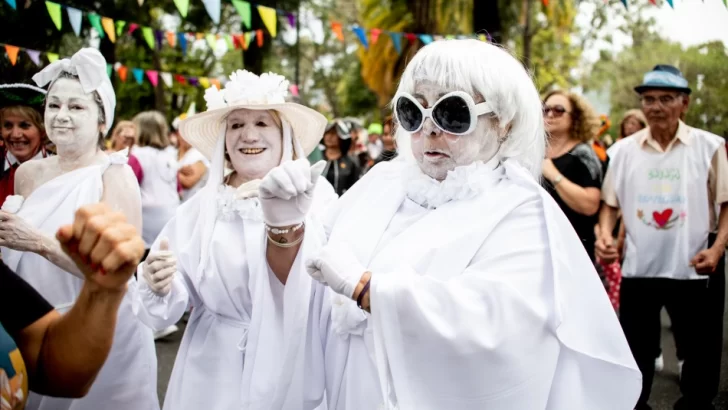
[[549, 170], [17, 234], [338, 267]]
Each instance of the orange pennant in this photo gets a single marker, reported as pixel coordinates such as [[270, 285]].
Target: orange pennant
[[240, 39], [545, 3], [122, 71], [259, 37], [215, 82], [200, 36], [337, 29], [12, 53], [172, 38]]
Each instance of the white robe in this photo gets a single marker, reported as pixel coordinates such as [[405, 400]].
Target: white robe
[[158, 188], [250, 343], [128, 379], [486, 302]]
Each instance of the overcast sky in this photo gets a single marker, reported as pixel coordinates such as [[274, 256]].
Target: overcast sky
[[693, 21]]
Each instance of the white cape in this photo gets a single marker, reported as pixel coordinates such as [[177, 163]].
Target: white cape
[[241, 350], [486, 302], [128, 379]]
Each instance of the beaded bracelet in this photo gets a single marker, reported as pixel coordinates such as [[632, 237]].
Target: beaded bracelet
[[277, 231]]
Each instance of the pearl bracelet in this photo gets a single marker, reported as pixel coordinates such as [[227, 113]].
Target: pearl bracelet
[[277, 231]]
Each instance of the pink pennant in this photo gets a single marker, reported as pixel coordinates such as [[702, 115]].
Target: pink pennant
[[132, 27], [294, 90], [411, 37], [153, 77], [374, 35]]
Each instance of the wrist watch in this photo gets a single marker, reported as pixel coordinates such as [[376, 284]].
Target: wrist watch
[[558, 179]]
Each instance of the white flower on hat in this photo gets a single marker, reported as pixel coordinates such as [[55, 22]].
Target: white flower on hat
[[246, 88], [215, 98]]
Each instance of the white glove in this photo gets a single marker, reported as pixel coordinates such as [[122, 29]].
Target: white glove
[[336, 266], [286, 192], [159, 269]]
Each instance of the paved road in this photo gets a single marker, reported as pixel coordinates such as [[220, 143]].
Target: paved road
[[664, 392]]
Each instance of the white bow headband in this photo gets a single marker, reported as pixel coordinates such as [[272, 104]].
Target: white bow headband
[[90, 66]]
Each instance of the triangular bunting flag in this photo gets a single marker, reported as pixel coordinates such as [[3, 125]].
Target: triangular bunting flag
[[374, 35], [141, 2], [249, 39], [291, 19], [109, 69], [211, 41], [213, 9], [294, 90], [193, 81], [450, 37], [243, 8], [670, 3], [182, 6], [132, 27], [653, 2], [182, 40], [171, 38], [438, 37], [410, 37], [123, 72], [180, 79], [153, 77], [120, 27], [205, 82], [625, 4], [362, 36], [230, 42], [259, 37], [75, 16], [54, 10], [167, 79], [199, 36], [545, 3], [158, 35], [12, 53], [337, 29], [148, 36], [52, 57], [427, 39], [270, 19], [34, 56], [108, 25], [138, 75], [216, 83], [12, 4], [397, 41], [95, 21]]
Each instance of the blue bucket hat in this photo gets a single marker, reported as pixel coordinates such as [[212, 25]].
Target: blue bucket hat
[[664, 77]]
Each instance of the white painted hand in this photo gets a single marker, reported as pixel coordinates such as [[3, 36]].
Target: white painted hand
[[159, 269], [338, 267], [286, 192], [17, 234]]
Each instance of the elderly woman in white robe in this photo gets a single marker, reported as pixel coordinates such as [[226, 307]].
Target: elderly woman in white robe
[[79, 110], [234, 252], [481, 296]]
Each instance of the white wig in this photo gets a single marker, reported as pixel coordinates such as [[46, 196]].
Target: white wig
[[482, 69]]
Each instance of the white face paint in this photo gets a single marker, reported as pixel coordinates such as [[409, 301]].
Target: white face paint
[[254, 143], [71, 117], [437, 151]]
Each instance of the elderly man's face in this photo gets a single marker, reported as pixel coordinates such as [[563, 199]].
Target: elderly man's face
[[663, 108], [437, 151]]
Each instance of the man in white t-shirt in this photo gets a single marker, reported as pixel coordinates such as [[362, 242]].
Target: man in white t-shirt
[[667, 179]]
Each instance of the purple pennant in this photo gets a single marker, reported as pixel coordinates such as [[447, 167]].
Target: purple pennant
[[158, 35], [34, 56], [193, 81], [291, 19]]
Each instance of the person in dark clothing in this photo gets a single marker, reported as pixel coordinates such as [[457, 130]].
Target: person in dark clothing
[[341, 170], [390, 148], [60, 355]]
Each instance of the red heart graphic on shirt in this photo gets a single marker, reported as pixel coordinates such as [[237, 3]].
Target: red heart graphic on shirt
[[661, 218]]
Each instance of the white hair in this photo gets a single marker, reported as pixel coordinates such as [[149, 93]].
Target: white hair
[[483, 69]]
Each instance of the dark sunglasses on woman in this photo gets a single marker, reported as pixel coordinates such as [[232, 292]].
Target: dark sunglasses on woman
[[556, 110]]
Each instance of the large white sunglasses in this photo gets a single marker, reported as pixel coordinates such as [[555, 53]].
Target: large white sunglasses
[[455, 112]]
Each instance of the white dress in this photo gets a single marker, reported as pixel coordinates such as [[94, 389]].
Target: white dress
[[482, 299], [159, 189], [128, 379], [193, 156], [250, 343]]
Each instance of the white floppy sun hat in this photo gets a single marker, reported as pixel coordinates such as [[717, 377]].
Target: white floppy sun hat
[[247, 90]]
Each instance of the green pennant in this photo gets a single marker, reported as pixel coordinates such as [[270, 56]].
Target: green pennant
[[229, 40], [211, 41], [54, 10], [148, 36], [243, 8], [95, 21], [109, 69], [182, 6], [120, 24]]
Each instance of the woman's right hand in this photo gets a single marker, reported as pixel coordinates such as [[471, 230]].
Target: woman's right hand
[[159, 269], [286, 192], [606, 248]]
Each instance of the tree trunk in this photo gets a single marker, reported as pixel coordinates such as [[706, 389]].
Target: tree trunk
[[486, 17], [527, 35]]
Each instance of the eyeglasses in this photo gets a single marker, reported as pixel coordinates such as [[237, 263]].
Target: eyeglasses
[[556, 110], [664, 100], [455, 113]]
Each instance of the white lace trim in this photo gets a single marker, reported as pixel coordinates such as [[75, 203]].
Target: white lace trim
[[228, 205], [463, 182]]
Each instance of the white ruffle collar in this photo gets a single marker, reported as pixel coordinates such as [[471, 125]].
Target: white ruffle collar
[[229, 204], [464, 182]]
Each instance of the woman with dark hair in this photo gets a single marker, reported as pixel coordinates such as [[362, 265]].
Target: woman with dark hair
[[22, 130], [341, 171]]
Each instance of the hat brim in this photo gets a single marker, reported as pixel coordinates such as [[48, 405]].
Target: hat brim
[[645, 87], [202, 130], [22, 95]]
